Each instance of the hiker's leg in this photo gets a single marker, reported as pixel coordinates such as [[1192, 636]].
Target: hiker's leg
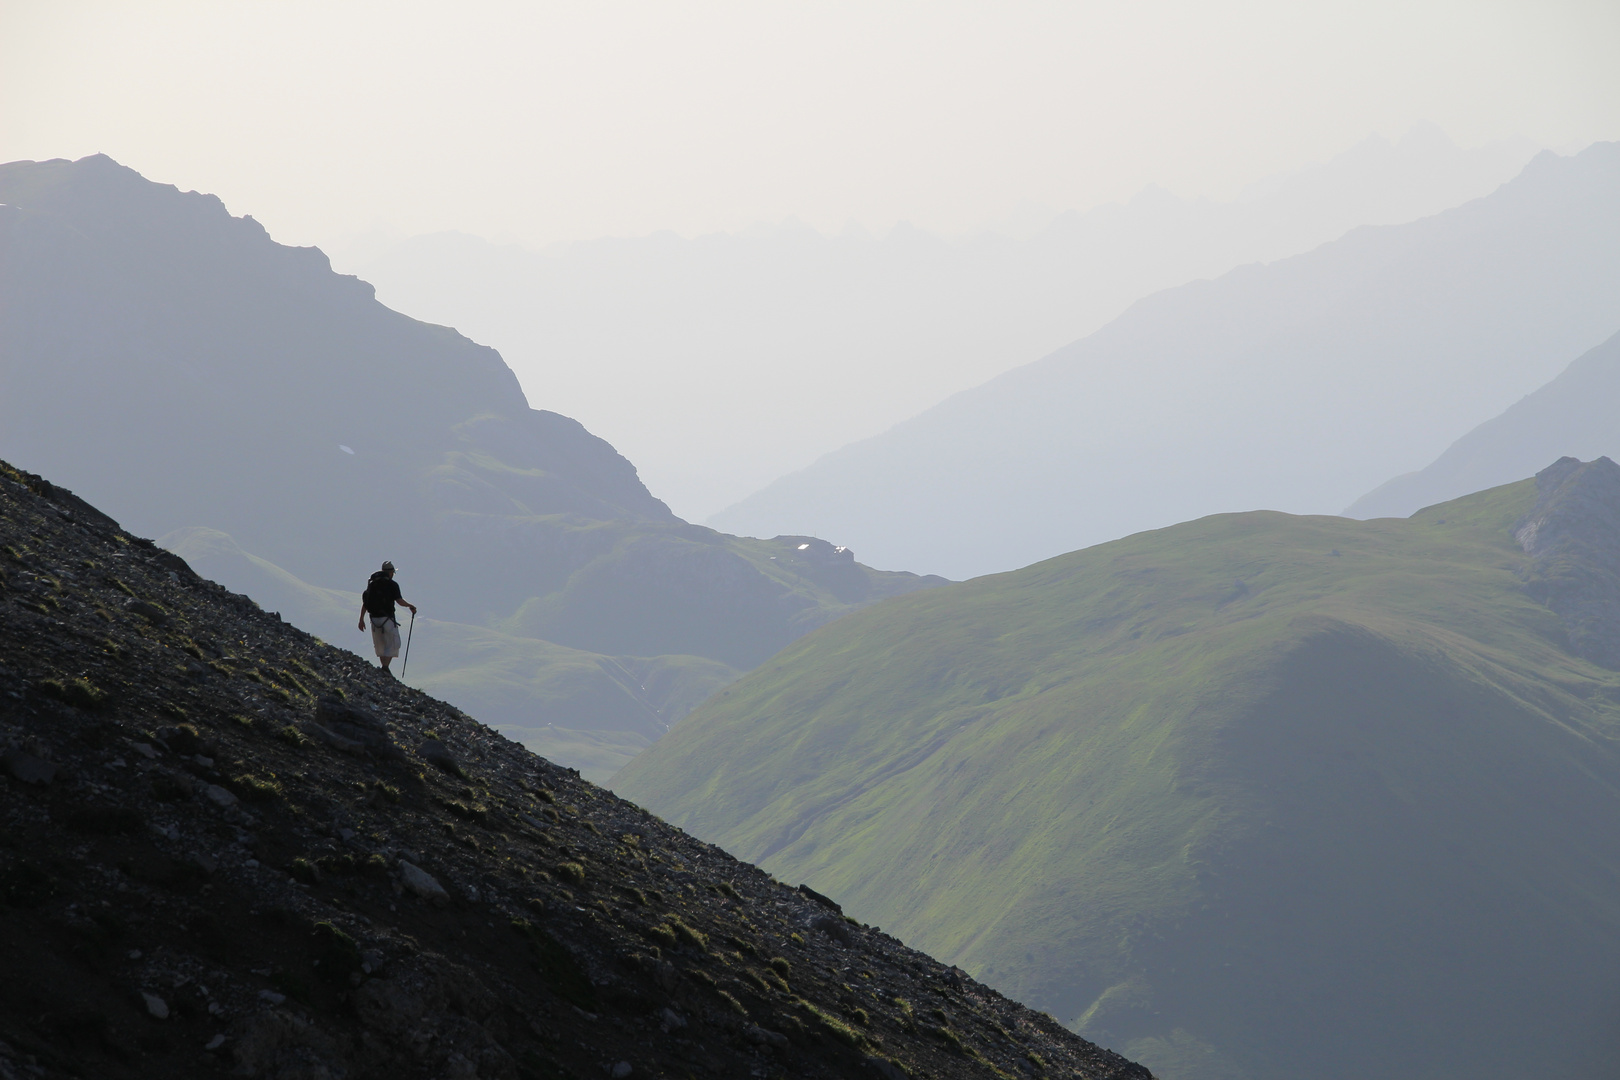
[[385, 634]]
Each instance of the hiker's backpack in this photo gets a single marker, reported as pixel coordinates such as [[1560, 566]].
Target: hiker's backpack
[[376, 601]]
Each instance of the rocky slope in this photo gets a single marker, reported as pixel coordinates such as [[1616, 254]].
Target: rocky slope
[[1573, 538], [228, 847]]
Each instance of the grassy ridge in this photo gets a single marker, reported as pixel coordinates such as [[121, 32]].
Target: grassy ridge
[[1227, 795]]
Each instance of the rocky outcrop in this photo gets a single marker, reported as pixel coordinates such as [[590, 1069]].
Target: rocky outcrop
[[1573, 539], [230, 847]]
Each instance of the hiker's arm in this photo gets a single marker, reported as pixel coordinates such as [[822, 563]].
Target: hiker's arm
[[406, 603], [362, 615]]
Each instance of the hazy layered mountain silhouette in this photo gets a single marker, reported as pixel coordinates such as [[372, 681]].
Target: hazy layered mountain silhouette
[[1575, 414], [1295, 385], [721, 362], [177, 366], [1254, 797]]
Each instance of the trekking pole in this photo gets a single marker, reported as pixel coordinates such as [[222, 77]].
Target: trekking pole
[[407, 661]]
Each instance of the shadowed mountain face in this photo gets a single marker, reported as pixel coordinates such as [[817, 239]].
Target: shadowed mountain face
[[232, 847], [1573, 414], [1295, 385], [1255, 796], [177, 366]]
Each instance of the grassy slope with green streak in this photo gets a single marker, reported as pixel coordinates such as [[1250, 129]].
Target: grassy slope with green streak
[[1234, 804], [581, 709]]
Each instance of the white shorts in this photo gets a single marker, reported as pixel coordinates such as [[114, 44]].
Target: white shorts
[[385, 636]]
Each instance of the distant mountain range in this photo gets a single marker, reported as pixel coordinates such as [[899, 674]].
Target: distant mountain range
[[1575, 414], [1255, 797], [1297, 385], [718, 363], [176, 366]]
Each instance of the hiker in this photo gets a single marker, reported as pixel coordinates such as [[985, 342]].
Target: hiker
[[382, 593]]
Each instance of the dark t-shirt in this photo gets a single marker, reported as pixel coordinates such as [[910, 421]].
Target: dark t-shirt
[[381, 594]]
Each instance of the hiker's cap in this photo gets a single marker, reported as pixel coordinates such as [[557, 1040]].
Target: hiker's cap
[[388, 568]]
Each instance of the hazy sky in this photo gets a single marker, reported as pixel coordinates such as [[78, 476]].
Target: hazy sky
[[551, 121]]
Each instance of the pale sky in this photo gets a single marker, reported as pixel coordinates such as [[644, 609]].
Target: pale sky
[[541, 122]]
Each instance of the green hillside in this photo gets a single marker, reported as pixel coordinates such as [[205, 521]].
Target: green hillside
[[1254, 796]]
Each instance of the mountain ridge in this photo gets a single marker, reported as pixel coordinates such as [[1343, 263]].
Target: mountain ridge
[[1256, 389], [862, 329], [1566, 416], [239, 385]]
